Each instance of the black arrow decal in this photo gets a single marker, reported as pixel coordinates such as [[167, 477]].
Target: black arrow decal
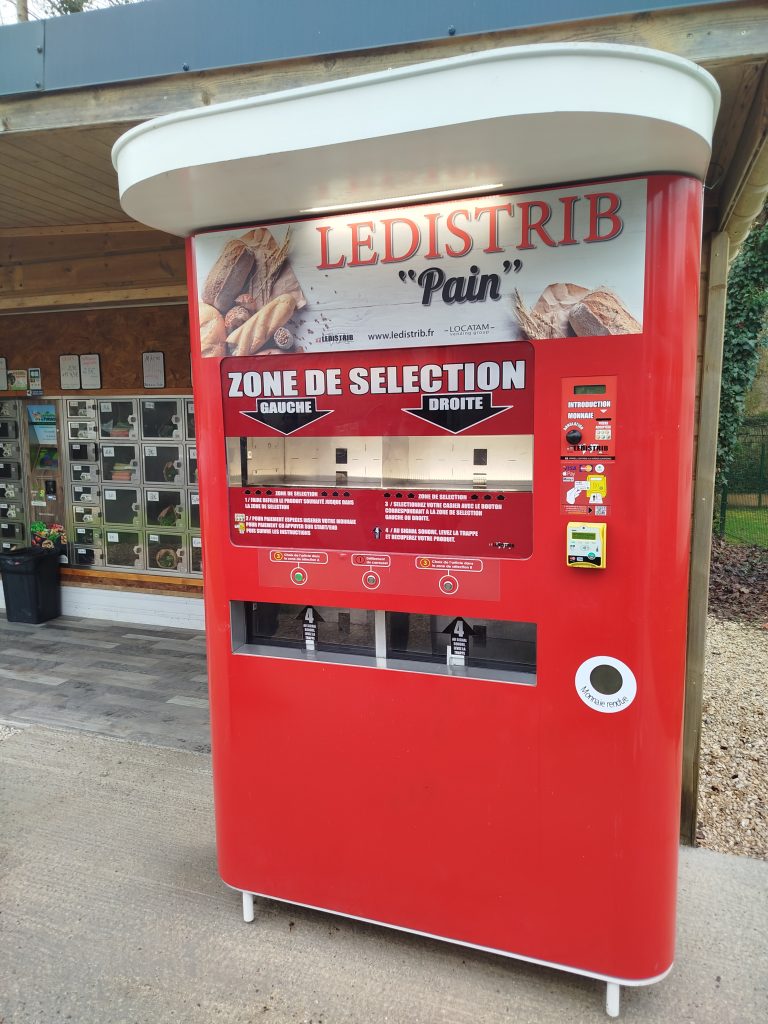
[[459, 627], [310, 615], [286, 415], [457, 412]]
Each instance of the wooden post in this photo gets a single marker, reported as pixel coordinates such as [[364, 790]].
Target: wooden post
[[701, 540]]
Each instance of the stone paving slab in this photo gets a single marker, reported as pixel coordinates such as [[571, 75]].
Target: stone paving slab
[[111, 912], [111, 678]]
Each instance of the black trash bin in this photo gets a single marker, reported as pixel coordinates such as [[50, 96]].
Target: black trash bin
[[31, 584]]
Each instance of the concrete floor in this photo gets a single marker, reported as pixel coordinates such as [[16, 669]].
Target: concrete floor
[[112, 912]]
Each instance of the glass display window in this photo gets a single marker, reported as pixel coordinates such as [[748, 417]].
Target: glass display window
[[11, 510], [10, 471], [429, 463], [9, 430], [165, 552], [196, 555], [83, 451], [11, 531], [9, 490], [81, 408], [162, 463], [191, 464], [124, 549], [490, 644], [164, 508], [117, 418], [84, 471], [87, 557], [9, 545], [88, 535], [120, 462], [194, 510], [161, 418], [8, 410], [189, 409], [10, 450], [81, 430], [82, 514], [122, 506], [343, 630], [86, 494]]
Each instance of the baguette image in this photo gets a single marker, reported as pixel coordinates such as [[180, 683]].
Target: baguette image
[[250, 292], [255, 332]]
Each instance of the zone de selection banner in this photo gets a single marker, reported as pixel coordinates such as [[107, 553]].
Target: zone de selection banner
[[555, 263]]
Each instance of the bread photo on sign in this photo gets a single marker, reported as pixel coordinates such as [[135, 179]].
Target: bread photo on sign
[[248, 297], [570, 310]]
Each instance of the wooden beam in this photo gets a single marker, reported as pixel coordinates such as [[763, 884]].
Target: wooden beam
[[708, 35], [753, 140], [13, 302], [701, 539], [59, 230]]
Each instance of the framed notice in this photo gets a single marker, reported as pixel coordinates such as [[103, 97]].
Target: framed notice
[[3, 374], [90, 371], [154, 369], [17, 380], [69, 373], [34, 381]]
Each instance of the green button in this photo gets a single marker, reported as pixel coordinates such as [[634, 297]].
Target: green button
[[298, 576]]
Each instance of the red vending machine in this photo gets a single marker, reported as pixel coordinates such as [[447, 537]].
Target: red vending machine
[[445, 456]]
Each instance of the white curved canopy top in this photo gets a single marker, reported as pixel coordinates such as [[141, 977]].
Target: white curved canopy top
[[500, 119]]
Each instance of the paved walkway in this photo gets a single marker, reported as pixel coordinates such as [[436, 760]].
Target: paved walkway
[[142, 683]]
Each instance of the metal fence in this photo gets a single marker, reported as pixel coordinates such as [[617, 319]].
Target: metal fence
[[744, 500]]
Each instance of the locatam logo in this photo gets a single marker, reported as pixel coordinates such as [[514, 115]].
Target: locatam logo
[[469, 329]]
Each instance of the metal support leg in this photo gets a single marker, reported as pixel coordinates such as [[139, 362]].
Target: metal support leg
[[248, 906], [612, 998]]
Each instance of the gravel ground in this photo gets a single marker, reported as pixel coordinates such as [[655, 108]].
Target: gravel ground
[[733, 786]]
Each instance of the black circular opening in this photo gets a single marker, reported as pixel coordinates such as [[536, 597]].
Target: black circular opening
[[605, 679], [323, 494]]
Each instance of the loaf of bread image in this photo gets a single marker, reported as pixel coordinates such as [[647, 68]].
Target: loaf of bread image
[[568, 310], [602, 312], [229, 274], [253, 289], [213, 333]]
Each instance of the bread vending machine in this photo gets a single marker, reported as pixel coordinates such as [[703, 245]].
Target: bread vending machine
[[445, 450]]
